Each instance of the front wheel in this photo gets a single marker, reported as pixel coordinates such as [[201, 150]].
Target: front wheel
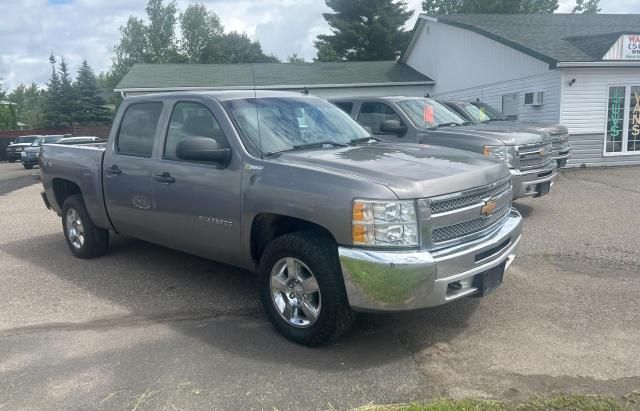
[[12, 161], [27, 166], [302, 289], [85, 240]]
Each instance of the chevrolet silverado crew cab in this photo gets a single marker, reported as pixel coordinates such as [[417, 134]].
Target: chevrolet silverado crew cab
[[481, 113], [333, 220], [425, 121]]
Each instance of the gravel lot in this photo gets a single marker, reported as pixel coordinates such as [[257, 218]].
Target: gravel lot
[[149, 328]]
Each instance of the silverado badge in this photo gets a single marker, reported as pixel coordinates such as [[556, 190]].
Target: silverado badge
[[489, 207]]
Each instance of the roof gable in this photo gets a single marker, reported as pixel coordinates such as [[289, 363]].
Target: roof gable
[[282, 75], [552, 38]]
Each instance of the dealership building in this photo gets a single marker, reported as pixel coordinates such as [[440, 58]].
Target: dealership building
[[579, 70]]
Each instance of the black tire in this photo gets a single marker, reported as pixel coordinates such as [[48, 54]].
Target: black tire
[[27, 166], [12, 161], [320, 255], [96, 239]]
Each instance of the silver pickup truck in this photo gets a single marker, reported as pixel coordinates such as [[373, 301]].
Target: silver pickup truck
[[333, 220], [425, 121], [478, 112]]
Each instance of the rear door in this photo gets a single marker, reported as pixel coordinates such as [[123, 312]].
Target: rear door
[[373, 114], [128, 166], [198, 204]]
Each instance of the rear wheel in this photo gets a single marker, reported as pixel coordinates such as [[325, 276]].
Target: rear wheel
[[302, 289], [12, 161], [84, 239]]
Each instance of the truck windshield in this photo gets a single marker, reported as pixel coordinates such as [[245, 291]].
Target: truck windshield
[[427, 113], [271, 125], [487, 113]]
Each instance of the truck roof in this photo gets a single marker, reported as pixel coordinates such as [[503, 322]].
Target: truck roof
[[221, 95]]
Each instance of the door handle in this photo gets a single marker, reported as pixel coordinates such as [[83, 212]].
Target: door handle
[[114, 170], [165, 178]]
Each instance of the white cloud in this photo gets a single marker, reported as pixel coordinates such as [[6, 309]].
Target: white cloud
[[87, 29]]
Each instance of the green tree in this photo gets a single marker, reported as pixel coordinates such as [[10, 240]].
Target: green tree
[[295, 59], [54, 117], [238, 48], [326, 52], [161, 30], [365, 29], [29, 103], [435, 7], [91, 105], [587, 7], [202, 34], [68, 98]]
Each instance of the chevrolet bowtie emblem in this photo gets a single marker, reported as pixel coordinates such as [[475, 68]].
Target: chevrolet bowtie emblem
[[489, 207], [543, 152]]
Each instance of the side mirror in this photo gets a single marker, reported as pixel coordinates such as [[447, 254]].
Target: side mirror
[[203, 149], [393, 127]]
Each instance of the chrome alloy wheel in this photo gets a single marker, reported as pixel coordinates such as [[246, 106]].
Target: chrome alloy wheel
[[295, 292], [75, 229]]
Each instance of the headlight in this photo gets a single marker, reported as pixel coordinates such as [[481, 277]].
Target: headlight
[[385, 223], [502, 153], [497, 152]]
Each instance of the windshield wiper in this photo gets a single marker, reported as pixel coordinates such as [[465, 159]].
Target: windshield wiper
[[452, 124], [319, 144]]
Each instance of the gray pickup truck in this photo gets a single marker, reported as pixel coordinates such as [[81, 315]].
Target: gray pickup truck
[[478, 112], [425, 121], [333, 220]]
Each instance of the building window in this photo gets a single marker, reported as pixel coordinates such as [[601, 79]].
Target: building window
[[510, 106], [623, 120]]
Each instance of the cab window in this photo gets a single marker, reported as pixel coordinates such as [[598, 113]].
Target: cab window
[[191, 119], [138, 129], [373, 114]]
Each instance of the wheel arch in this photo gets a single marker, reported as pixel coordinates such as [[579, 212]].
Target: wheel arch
[[267, 226]]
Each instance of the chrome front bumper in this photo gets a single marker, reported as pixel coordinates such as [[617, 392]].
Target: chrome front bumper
[[409, 280], [526, 183], [561, 155]]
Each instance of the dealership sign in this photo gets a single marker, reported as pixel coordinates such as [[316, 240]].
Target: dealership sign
[[631, 47]]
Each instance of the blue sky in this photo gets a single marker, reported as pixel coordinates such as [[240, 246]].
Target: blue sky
[[88, 29]]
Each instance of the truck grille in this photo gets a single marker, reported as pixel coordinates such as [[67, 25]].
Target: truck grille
[[469, 227], [442, 206], [459, 217], [533, 155]]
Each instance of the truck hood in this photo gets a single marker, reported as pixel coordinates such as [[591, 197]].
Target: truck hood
[[409, 170], [19, 145], [526, 126], [508, 136]]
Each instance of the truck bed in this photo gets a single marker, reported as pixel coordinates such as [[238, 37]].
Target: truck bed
[[79, 166]]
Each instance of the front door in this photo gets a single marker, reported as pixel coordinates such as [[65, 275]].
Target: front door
[[198, 204], [127, 171]]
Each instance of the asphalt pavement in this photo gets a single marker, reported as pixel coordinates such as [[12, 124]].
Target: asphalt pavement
[[145, 327]]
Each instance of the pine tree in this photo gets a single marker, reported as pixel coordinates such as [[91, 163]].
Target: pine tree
[[365, 29], [91, 106], [587, 7], [53, 115], [68, 100]]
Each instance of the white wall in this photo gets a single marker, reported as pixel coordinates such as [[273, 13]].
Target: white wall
[[548, 83], [584, 111], [458, 59]]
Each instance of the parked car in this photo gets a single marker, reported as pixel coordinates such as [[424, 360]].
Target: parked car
[[333, 220], [30, 156], [14, 150], [481, 113], [425, 121]]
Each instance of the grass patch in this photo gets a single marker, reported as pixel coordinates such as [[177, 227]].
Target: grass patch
[[554, 403]]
